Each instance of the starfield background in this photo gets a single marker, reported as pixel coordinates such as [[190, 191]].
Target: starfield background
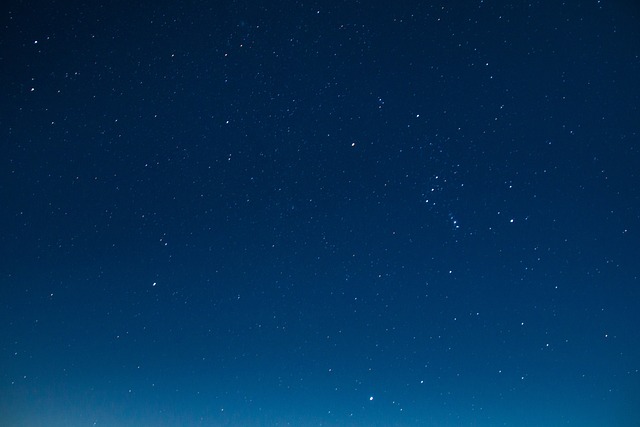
[[340, 213]]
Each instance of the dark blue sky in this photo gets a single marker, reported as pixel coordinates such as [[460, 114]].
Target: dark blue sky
[[319, 214]]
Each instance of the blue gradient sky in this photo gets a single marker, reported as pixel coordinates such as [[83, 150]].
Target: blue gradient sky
[[319, 214]]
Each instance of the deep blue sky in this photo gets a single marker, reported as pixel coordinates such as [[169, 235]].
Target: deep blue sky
[[320, 214]]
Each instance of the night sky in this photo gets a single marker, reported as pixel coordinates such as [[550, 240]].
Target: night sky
[[340, 213]]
